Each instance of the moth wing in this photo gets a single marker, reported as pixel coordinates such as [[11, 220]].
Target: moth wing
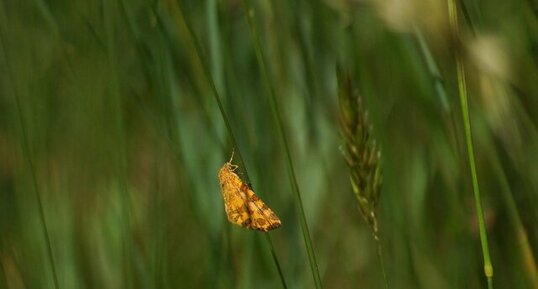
[[261, 217], [235, 201], [237, 210], [242, 206]]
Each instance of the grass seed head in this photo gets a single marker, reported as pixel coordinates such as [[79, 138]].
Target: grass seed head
[[361, 152]]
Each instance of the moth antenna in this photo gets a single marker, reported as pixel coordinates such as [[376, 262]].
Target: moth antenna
[[231, 158]]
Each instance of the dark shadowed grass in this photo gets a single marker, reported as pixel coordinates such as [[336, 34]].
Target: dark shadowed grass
[[27, 152]]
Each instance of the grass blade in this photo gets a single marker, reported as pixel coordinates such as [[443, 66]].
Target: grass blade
[[188, 32], [462, 87], [278, 115]]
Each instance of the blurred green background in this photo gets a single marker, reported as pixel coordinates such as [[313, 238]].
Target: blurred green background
[[111, 139]]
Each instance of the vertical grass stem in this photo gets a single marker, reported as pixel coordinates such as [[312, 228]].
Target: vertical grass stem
[[280, 125], [462, 88], [183, 24]]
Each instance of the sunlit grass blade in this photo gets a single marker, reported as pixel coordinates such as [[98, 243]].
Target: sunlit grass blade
[[462, 89]]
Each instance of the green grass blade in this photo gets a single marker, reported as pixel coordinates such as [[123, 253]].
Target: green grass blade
[[215, 43], [379, 248], [275, 258], [184, 25], [291, 172], [433, 70], [462, 88]]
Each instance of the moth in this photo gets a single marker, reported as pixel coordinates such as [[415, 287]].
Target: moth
[[242, 206]]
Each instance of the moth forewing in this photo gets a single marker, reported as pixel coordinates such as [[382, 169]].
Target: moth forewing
[[242, 206]]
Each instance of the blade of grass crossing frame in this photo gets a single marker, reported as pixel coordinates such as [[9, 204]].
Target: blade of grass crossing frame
[[183, 25], [462, 87], [291, 172], [214, 43]]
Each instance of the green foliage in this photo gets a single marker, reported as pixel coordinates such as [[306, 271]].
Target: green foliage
[[109, 122]]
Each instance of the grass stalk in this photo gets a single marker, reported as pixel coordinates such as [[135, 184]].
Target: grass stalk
[[280, 124], [28, 157], [362, 156], [433, 70], [215, 43], [462, 88], [275, 258], [183, 25], [381, 262]]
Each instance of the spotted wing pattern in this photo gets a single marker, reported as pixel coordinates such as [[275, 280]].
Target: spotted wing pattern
[[242, 206]]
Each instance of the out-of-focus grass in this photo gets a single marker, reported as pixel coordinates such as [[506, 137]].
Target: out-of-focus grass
[[126, 139]]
